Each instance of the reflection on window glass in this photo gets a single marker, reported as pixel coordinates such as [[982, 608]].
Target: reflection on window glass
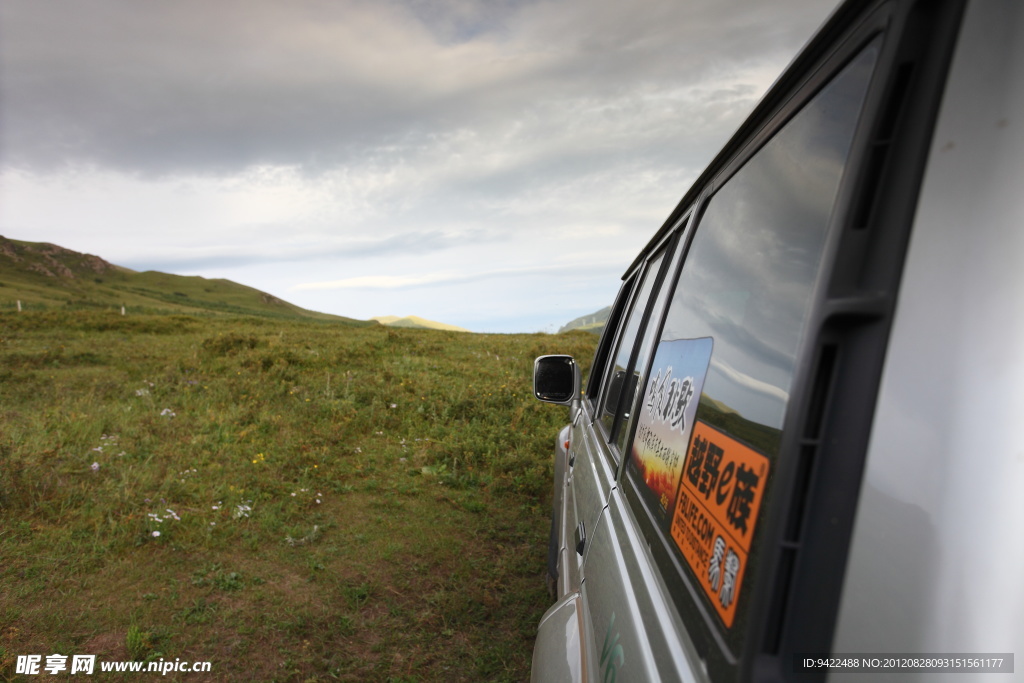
[[643, 354], [611, 324], [617, 381], [710, 419]]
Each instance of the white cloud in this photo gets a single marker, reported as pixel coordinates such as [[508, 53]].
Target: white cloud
[[449, 277]]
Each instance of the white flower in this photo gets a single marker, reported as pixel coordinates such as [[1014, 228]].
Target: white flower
[[95, 467], [155, 534], [394, 405], [167, 412]]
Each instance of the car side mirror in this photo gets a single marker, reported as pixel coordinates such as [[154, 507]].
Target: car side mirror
[[556, 379]]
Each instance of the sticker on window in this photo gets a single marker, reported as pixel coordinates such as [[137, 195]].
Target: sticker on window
[[667, 415], [715, 513]]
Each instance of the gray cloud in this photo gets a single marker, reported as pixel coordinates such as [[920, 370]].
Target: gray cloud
[[159, 88], [237, 256]]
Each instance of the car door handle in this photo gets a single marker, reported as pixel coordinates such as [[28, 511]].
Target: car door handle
[[581, 538]]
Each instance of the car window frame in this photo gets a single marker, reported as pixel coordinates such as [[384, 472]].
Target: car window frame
[[667, 248], [607, 342]]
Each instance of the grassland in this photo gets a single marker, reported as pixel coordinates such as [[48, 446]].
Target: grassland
[[288, 500]]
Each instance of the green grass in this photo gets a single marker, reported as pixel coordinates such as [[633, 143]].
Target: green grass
[[289, 500]]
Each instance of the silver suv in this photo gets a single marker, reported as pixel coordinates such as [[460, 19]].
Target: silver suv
[[795, 456]]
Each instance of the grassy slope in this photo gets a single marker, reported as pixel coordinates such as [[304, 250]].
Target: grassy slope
[[349, 503], [416, 322], [592, 322], [43, 276]]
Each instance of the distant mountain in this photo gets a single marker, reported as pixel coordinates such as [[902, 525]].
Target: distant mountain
[[593, 322], [416, 322], [46, 276]]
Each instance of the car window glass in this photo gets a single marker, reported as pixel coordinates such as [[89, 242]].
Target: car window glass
[[617, 380], [709, 423], [639, 365], [593, 380]]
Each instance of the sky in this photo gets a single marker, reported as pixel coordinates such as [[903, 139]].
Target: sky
[[491, 164]]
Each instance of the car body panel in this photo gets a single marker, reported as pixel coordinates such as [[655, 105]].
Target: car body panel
[[938, 545], [559, 653]]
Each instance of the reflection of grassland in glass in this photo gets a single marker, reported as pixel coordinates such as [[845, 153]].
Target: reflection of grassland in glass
[[759, 436]]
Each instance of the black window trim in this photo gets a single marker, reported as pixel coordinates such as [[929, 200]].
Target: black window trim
[[607, 342], [666, 251], [639, 275]]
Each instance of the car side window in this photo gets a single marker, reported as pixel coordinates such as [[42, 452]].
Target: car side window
[[618, 379], [608, 336], [709, 420], [644, 347]]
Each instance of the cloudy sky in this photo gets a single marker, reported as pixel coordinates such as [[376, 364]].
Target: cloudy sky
[[493, 164]]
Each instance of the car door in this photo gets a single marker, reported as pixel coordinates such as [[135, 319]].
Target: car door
[[592, 457]]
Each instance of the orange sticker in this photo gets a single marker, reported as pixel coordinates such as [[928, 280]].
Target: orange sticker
[[715, 513]]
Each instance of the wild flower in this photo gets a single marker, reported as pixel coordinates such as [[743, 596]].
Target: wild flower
[[242, 511], [156, 534], [142, 392], [173, 514], [167, 412], [95, 467], [394, 405], [99, 449], [309, 538]]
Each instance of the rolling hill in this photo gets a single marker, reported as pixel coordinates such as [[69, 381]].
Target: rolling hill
[[417, 322], [592, 322], [45, 276]]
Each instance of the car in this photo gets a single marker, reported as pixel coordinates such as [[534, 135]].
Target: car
[[796, 454]]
